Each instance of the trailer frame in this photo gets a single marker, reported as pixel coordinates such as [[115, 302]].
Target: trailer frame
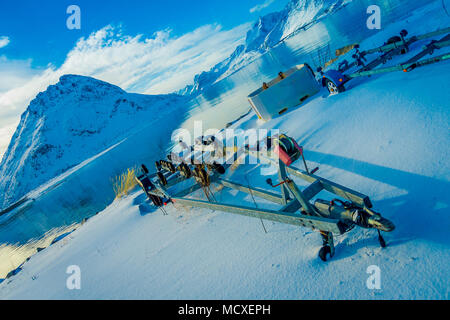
[[335, 79], [294, 203]]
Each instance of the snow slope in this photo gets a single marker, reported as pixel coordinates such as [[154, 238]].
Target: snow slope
[[71, 121], [387, 137], [264, 34]]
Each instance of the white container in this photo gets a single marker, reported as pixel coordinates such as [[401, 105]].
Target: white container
[[290, 89]]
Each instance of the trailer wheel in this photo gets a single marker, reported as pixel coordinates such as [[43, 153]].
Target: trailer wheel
[[333, 88], [324, 252]]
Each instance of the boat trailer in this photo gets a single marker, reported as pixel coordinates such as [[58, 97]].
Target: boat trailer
[[337, 216], [335, 79]]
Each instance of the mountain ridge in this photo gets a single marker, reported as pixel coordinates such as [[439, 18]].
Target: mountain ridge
[[265, 33], [68, 123]]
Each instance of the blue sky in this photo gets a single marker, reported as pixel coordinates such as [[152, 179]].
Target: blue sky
[[37, 29], [142, 46]]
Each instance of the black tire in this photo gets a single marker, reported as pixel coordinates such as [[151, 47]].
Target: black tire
[[333, 88], [323, 252], [219, 168]]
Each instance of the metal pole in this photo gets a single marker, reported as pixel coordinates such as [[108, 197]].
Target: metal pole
[[282, 177], [402, 67], [314, 222], [410, 40]]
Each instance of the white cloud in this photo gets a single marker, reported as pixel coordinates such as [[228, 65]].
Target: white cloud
[[4, 41], [14, 73], [161, 63], [6, 131], [261, 6]]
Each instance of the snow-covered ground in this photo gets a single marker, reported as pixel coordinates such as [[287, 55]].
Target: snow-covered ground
[[387, 137]]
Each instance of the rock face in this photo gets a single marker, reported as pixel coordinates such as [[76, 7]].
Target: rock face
[[71, 121], [265, 33]]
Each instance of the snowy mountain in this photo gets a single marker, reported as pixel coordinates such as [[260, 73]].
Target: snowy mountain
[[68, 123], [264, 34]]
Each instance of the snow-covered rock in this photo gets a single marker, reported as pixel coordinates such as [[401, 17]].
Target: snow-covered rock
[[71, 121], [264, 34]]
